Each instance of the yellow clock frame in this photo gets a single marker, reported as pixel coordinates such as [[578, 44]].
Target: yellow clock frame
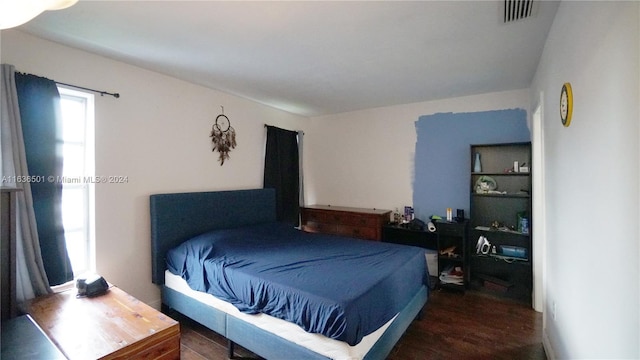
[[566, 104]]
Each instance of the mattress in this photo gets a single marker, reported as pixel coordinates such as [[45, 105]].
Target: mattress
[[320, 344], [273, 268]]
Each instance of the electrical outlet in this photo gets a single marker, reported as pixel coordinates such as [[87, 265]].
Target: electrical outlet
[[553, 310]]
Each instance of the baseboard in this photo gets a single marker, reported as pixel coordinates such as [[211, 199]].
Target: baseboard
[[548, 348], [156, 304]]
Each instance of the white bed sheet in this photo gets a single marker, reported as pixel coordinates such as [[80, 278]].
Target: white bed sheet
[[321, 344]]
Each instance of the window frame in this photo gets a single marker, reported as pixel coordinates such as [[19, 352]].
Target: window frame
[[88, 187]]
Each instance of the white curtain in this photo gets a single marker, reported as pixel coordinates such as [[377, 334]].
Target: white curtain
[[31, 277]]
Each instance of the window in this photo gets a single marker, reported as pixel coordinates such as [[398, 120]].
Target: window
[[78, 170]]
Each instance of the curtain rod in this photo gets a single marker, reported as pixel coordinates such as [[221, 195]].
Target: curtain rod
[[102, 93], [267, 125]]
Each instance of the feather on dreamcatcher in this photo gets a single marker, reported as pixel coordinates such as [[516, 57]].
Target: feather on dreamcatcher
[[223, 137]]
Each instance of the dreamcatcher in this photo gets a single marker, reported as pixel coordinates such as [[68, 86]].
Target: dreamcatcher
[[223, 137]]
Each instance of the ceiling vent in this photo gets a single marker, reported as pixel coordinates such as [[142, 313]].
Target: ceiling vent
[[515, 10]]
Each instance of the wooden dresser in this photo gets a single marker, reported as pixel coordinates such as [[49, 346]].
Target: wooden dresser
[[111, 326], [346, 221]]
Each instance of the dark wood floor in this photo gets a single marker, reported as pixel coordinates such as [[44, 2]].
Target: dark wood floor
[[454, 326]]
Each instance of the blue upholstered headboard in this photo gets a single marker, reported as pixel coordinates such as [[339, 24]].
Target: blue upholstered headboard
[[181, 216]]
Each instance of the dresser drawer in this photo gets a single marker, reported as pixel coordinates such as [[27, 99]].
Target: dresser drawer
[[316, 216], [360, 220], [357, 232], [317, 227]]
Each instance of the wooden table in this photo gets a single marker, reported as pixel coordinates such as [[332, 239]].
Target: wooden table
[[112, 326]]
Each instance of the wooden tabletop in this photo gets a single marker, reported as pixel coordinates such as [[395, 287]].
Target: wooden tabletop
[[104, 327], [348, 209]]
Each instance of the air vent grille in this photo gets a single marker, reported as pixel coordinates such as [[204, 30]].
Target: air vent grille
[[515, 10]]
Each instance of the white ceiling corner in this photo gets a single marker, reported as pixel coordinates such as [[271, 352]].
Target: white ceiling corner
[[314, 57]]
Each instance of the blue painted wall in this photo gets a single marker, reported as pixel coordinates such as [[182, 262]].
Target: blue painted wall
[[443, 156]]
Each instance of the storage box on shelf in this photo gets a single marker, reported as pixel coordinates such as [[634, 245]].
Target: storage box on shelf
[[501, 213]]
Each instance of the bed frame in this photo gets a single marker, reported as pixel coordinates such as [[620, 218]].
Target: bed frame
[[180, 216]]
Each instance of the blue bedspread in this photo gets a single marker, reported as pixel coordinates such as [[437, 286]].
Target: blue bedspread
[[342, 288]]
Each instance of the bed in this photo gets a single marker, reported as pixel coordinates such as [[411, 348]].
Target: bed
[[179, 219]]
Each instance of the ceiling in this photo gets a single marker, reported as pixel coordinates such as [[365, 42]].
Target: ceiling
[[314, 58]]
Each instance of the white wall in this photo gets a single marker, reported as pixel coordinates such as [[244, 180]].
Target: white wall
[[157, 134], [366, 158], [592, 246]]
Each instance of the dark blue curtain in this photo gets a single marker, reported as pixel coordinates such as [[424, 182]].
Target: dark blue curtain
[[282, 173], [39, 103]]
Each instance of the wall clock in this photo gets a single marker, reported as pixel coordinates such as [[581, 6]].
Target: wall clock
[[566, 104]]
